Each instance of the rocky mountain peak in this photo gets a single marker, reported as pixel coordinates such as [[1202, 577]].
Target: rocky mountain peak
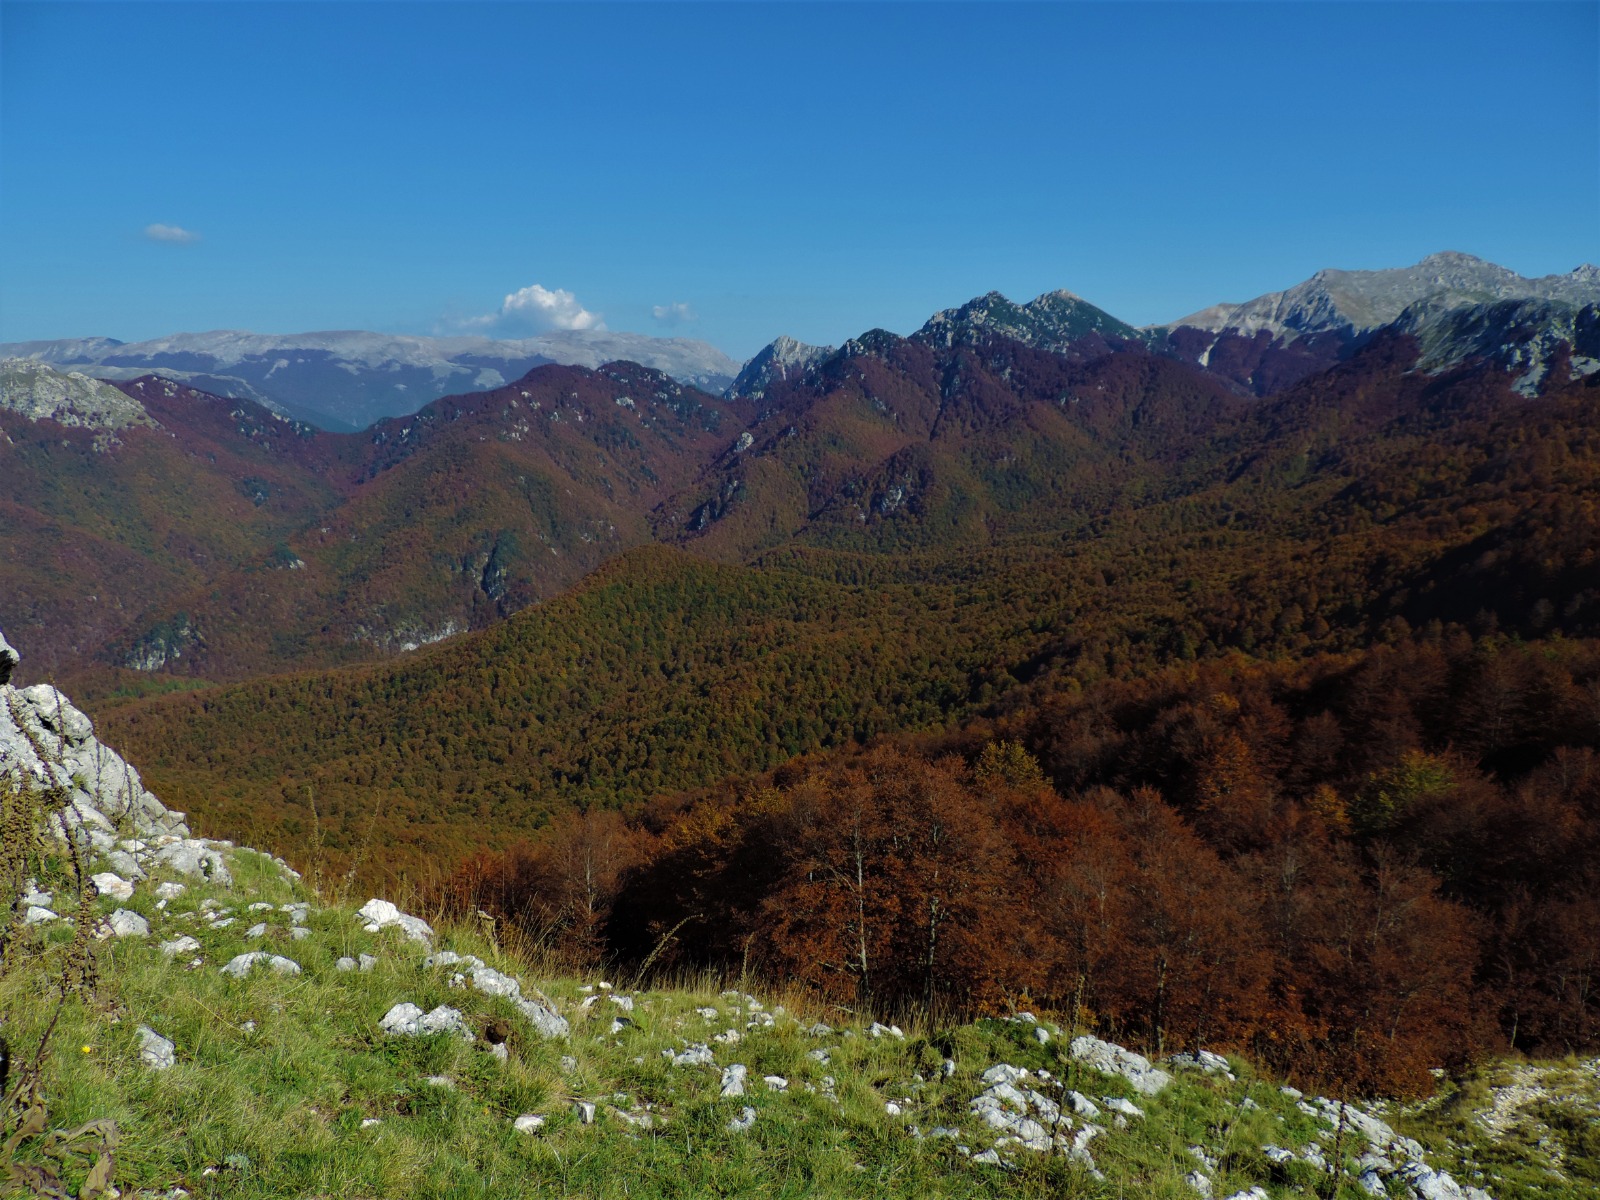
[[782, 359], [1051, 322], [1357, 302]]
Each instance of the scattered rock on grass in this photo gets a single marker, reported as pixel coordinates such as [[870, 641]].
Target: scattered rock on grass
[[1111, 1059], [109, 883], [126, 923], [407, 1020], [157, 1052], [240, 965], [380, 914]]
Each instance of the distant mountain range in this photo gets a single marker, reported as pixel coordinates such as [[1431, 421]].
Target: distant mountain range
[[154, 525], [346, 380], [1458, 306]]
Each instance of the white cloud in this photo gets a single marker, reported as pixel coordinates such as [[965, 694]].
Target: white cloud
[[534, 309], [676, 313], [170, 233]]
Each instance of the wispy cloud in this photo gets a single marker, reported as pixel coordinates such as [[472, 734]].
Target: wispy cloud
[[175, 234], [676, 313], [535, 309]]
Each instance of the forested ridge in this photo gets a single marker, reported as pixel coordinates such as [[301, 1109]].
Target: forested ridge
[[1357, 867], [1359, 509], [1295, 698]]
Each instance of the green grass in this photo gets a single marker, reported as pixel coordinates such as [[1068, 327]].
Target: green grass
[[276, 1076]]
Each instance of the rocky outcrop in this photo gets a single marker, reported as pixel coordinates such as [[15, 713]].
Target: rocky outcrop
[[41, 393], [47, 742]]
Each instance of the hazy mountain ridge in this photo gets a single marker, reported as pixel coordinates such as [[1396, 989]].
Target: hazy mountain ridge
[[994, 420], [351, 378], [268, 543], [1457, 305]]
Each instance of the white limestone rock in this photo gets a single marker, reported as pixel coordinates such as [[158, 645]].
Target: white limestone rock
[[381, 914], [1111, 1059], [407, 1020], [126, 923], [195, 858], [240, 965], [157, 1052]]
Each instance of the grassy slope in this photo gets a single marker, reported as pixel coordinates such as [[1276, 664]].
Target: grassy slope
[[276, 1075]]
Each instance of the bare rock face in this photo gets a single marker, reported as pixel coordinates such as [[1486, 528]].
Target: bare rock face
[[39, 393], [48, 742]]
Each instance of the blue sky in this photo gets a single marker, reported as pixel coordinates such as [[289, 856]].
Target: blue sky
[[739, 171]]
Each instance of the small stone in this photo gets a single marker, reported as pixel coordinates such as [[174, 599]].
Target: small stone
[[697, 1055], [407, 1020], [776, 1082], [37, 914], [499, 1051], [745, 1119], [380, 914], [255, 931], [528, 1123], [180, 945], [366, 962], [126, 923], [157, 1052], [346, 963], [239, 966], [369, 1122], [733, 1078], [439, 1081], [170, 890], [108, 883], [299, 932], [584, 1111]]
